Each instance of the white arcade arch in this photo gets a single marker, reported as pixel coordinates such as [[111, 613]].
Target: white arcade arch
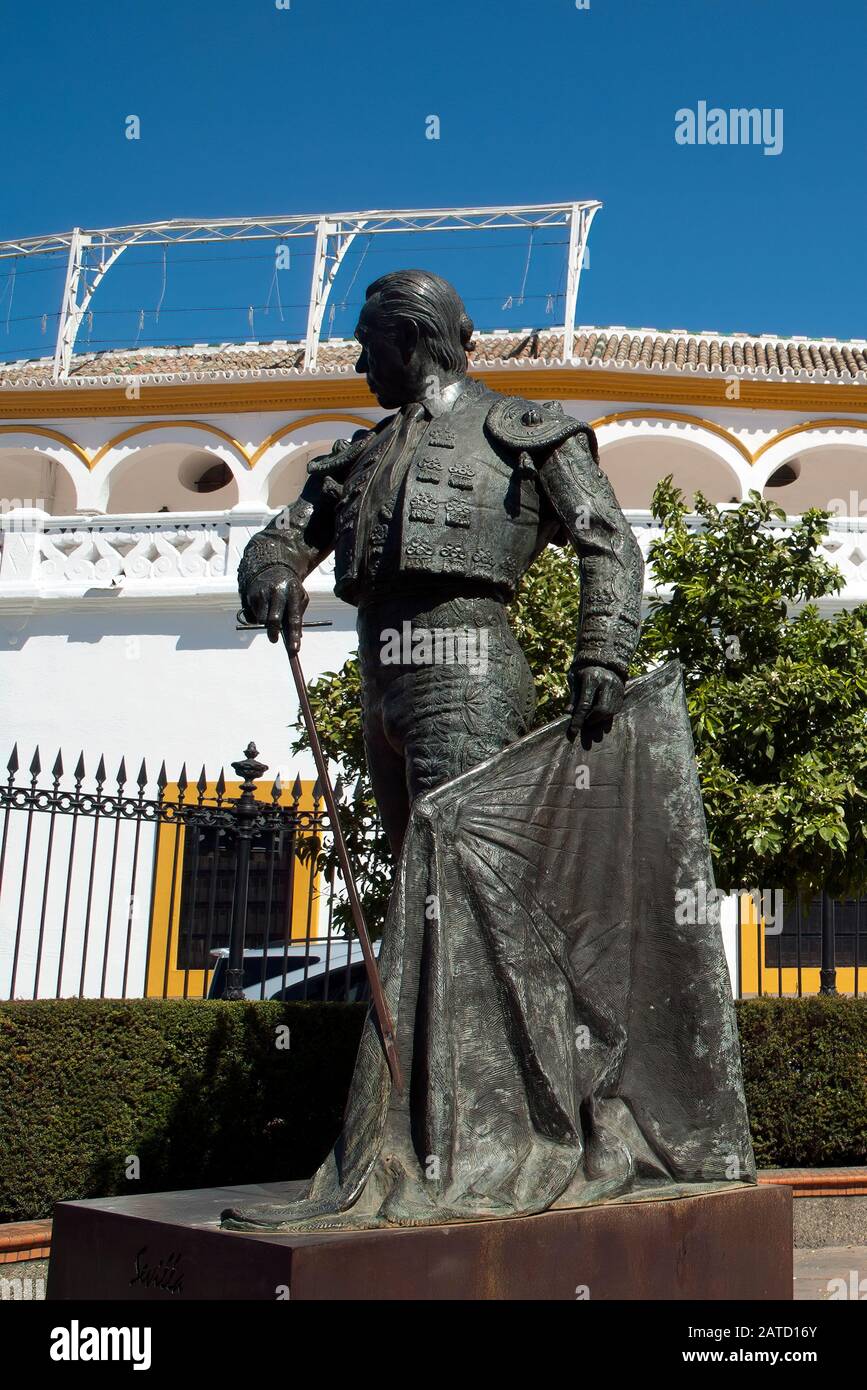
[[171, 477], [637, 451], [817, 466], [35, 479], [190, 466]]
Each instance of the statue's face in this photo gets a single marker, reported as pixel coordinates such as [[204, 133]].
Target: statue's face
[[386, 361]]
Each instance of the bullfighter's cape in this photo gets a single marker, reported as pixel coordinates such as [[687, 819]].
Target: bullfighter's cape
[[566, 1039]]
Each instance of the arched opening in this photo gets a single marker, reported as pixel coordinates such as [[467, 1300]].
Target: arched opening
[[32, 479], [830, 476], [201, 474], [171, 478], [287, 477], [635, 466]]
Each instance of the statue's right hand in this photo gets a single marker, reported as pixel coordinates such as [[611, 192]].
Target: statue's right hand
[[276, 599]]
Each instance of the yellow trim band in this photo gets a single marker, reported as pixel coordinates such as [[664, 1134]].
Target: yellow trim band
[[76, 449], [318, 419], [809, 425], [342, 393], [679, 417], [170, 424]]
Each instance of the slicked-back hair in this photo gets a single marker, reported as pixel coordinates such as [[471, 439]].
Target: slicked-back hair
[[433, 305]]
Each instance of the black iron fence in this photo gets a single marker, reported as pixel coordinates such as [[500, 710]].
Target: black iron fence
[[201, 890], [807, 948], [226, 889]]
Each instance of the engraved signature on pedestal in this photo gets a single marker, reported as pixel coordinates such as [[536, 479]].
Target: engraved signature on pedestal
[[165, 1274]]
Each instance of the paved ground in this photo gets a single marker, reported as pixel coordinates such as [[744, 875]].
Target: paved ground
[[25, 1279], [814, 1272]]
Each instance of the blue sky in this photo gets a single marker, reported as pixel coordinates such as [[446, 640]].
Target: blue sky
[[249, 109]]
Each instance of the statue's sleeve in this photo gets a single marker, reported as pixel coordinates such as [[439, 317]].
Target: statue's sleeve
[[302, 534], [612, 568], [298, 538]]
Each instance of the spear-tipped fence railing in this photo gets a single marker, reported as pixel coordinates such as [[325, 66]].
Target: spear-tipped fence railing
[[123, 888], [127, 888]]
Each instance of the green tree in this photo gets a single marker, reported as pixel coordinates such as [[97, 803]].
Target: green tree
[[775, 690], [335, 699]]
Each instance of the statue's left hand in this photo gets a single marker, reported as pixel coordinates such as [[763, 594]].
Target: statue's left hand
[[597, 695]]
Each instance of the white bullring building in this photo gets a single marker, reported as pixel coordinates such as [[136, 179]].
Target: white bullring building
[[132, 480]]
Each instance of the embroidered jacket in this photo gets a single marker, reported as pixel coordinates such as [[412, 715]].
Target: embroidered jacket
[[474, 492]]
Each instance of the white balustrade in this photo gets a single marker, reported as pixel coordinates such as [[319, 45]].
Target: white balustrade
[[174, 553]]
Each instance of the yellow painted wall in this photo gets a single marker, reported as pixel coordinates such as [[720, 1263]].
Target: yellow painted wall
[[164, 978], [759, 977]]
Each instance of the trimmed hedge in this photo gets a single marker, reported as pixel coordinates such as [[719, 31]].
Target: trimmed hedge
[[805, 1075], [202, 1095], [198, 1090]]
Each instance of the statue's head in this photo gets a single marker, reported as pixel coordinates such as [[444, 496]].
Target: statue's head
[[413, 328]]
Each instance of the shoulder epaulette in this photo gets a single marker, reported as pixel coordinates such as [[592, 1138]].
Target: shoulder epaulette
[[530, 427]]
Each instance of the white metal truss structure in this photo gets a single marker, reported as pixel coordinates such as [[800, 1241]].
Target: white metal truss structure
[[91, 254]]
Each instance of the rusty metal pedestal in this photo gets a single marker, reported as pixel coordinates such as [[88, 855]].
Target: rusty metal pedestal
[[729, 1244]]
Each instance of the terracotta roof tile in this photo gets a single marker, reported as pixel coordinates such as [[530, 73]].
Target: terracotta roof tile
[[624, 349]]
